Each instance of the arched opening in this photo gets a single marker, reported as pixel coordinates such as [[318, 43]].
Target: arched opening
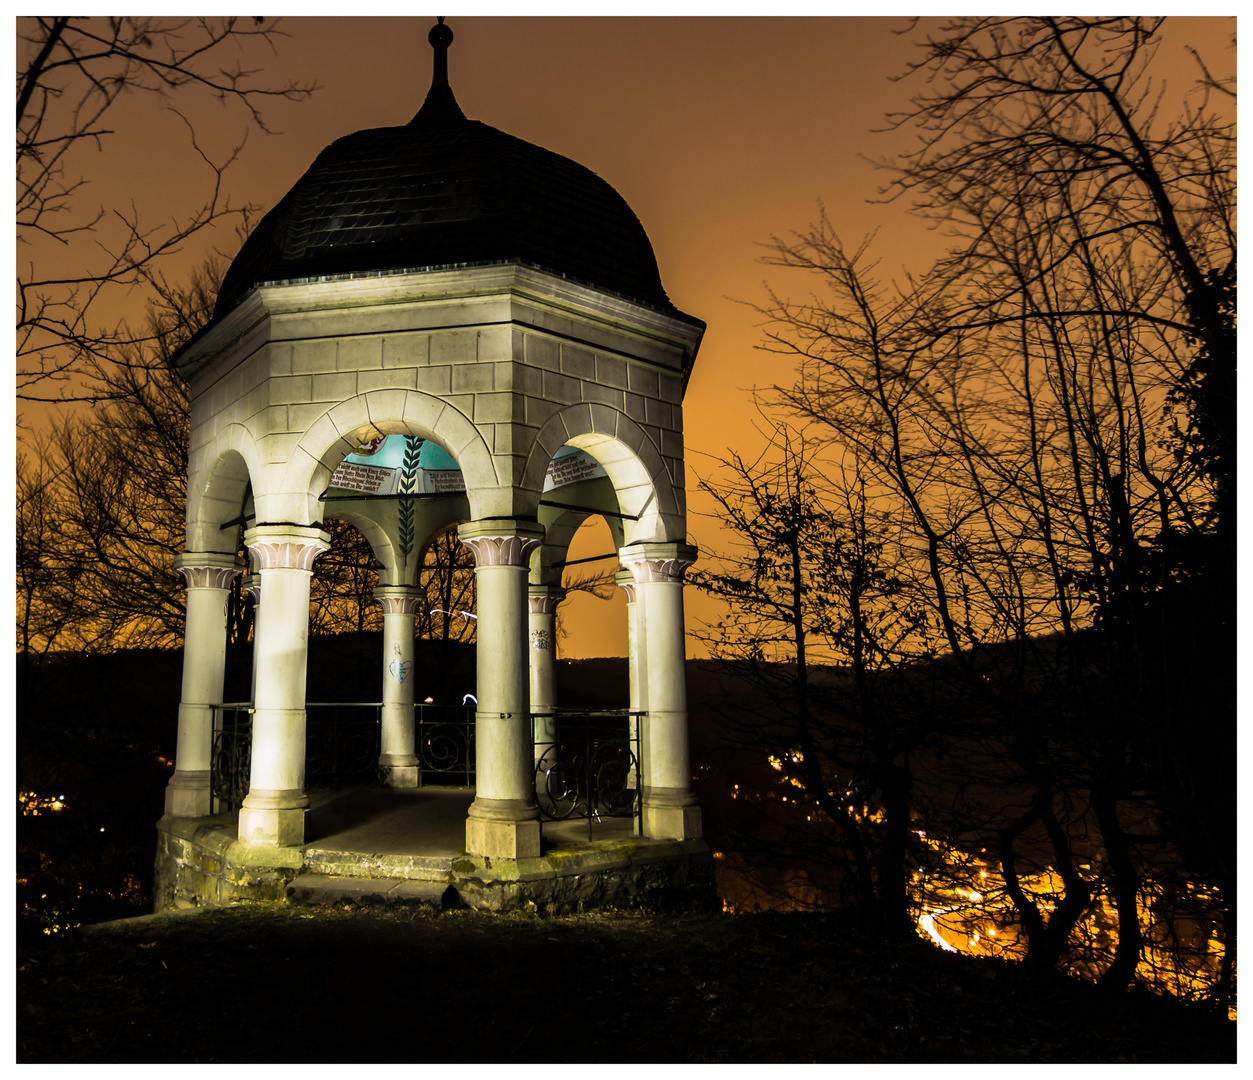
[[387, 496], [219, 496], [447, 621], [641, 490], [399, 580], [341, 593], [586, 738], [406, 495], [592, 619]]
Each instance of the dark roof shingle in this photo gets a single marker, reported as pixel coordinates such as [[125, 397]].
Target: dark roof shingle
[[440, 191]]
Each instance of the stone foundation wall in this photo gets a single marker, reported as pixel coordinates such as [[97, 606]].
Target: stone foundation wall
[[675, 875], [201, 863]]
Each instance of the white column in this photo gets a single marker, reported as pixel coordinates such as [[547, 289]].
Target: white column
[[670, 809], [396, 751], [542, 601], [625, 580], [503, 819], [252, 586], [273, 810], [208, 576]]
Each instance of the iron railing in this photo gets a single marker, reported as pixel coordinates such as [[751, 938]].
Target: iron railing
[[445, 742], [587, 761], [587, 765], [342, 746], [342, 741], [231, 759]]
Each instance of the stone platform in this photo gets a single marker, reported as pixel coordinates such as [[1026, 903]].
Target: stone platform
[[379, 846]]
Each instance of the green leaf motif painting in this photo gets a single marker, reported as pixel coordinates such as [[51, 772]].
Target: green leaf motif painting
[[408, 477]]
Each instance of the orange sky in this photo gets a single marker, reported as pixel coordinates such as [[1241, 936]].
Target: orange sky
[[718, 133]]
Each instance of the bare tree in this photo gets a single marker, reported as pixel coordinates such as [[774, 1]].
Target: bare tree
[[118, 492], [446, 575], [47, 574], [817, 621], [72, 73], [1010, 412], [342, 590]]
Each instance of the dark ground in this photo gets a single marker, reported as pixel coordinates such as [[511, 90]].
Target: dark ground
[[291, 984]]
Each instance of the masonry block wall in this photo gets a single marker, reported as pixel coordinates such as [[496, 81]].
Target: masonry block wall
[[503, 375]]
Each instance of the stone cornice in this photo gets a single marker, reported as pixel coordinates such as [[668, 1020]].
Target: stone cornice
[[435, 299]]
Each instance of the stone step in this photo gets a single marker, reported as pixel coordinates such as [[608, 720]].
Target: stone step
[[329, 889], [356, 864]]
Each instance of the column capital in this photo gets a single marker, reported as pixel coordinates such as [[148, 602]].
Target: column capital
[[252, 586], [625, 580], [501, 541], [286, 547], [399, 599], [543, 599], [208, 569], [650, 562]]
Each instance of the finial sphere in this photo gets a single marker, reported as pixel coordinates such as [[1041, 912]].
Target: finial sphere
[[440, 35]]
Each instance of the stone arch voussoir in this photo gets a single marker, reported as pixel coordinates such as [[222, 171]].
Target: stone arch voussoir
[[218, 478], [630, 458], [391, 412]]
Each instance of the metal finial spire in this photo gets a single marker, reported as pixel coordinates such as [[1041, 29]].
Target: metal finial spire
[[440, 38], [440, 105]]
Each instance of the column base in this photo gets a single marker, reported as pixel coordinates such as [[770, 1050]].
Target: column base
[[503, 839], [671, 816], [401, 776], [503, 829], [273, 818], [188, 795]]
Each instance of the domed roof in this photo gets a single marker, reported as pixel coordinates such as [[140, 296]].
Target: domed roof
[[446, 191]]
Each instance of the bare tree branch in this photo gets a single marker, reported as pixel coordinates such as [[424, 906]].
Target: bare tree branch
[[71, 74]]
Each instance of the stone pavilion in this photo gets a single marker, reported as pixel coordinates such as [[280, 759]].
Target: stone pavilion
[[446, 282]]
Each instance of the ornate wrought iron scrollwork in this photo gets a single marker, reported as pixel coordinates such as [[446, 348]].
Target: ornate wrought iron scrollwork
[[588, 767], [319, 755], [560, 787], [445, 742], [443, 747], [231, 760], [615, 771], [341, 743], [359, 752]]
